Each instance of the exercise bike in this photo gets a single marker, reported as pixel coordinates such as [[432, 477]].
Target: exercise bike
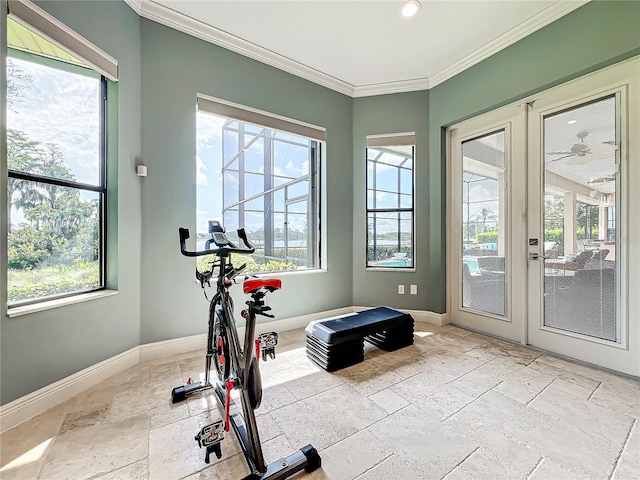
[[236, 366]]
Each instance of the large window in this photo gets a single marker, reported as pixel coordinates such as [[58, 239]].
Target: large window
[[260, 178], [390, 201], [56, 160]]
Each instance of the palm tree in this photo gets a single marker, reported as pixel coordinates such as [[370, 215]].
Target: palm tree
[[482, 216]]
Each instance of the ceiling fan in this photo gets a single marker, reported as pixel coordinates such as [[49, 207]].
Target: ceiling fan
[[578, 150]]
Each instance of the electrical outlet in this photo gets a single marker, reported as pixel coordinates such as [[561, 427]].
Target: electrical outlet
[[414, 289], [400, 289]]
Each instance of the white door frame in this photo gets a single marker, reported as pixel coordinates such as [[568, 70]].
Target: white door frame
[[512, 325], [624, 80], [522, 322]]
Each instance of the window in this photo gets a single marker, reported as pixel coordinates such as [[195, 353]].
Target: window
[[390, 201], [56, 158], [261, 173]]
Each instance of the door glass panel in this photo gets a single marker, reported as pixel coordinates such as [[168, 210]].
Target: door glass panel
[[580, 207], [484, 224]]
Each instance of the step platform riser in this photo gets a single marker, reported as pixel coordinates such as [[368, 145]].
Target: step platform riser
[[339, 342]]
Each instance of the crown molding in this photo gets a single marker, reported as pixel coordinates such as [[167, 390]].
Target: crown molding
[[543, 18], [391, 87], [183, 23]]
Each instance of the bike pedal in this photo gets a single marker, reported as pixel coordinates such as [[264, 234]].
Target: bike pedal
[[268, 342], [211, 434], [210, 438]]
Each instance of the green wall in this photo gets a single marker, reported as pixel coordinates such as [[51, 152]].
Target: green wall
[[400, 112], [41, 348], [595, 35], [161, 71], [172, 303]]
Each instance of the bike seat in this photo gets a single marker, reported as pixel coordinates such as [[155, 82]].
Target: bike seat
[[253, 284]]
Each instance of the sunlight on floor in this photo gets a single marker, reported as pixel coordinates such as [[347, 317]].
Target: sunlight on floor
[[423, 334], [271, 376], [31, 456]]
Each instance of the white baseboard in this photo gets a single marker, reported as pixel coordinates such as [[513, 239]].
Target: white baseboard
[[174, 346], [24, 408], [425, 316], [21, 409]]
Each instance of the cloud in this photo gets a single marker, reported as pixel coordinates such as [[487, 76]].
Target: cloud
[[201, 177]]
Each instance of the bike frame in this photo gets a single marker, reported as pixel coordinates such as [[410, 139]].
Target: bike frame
[[242, 364]]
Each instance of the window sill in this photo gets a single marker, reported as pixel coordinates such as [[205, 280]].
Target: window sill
[[59, 302], [390, 269], [286, 273]]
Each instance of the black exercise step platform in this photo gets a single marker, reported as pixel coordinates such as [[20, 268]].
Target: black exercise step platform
[[337, 343]]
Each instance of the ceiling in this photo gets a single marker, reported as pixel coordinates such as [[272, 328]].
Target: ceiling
[[362, 47]]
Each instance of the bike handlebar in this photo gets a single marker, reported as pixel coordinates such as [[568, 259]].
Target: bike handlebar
[[228, 248]]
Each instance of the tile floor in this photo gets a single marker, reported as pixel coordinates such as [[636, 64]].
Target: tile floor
[[454, 405]]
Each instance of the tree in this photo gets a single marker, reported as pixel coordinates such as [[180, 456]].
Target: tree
[[482, 216], [16, 81]]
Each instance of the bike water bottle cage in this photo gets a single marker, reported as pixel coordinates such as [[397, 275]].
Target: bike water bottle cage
[[253, 284]]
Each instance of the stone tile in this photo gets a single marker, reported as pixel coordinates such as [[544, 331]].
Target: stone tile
[[476, 382], [516, 455], [352, 456], [309, 420], [465, 343], [165, 414], [277, 448], [396, 467], [629, 463], [194, 368], [275, 397], [173, 452], [481, 354], [289, 374], [314, 382], [548, 469], [132, 398], [136, 471], [268, 428], [368, 377], [136, 373], [587, 416], [87, 418], [389, 400], [202, 402], [518, 354], [439, 401], [422, 445], [166, 372], [624, 399], [523, 383], [561, 442], [455, 330], [549, 363], [482, 465], [292, 356], [105, 447], [575, 384], [231, 468], [24, 448]]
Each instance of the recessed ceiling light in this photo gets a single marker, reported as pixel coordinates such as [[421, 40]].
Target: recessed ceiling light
[[411, 7], [571, 122]]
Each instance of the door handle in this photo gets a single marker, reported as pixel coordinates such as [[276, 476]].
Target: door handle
[[536, 256]]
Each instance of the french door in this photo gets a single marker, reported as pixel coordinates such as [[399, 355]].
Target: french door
[[486, 225], [542, 248]]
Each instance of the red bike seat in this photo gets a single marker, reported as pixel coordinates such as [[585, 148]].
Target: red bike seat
[[252, 284]]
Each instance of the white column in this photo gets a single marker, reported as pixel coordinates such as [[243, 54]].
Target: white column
[[569, 223], [502, 208]]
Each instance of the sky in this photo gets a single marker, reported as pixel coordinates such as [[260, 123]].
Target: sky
[[61, 108], [289, 161]]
